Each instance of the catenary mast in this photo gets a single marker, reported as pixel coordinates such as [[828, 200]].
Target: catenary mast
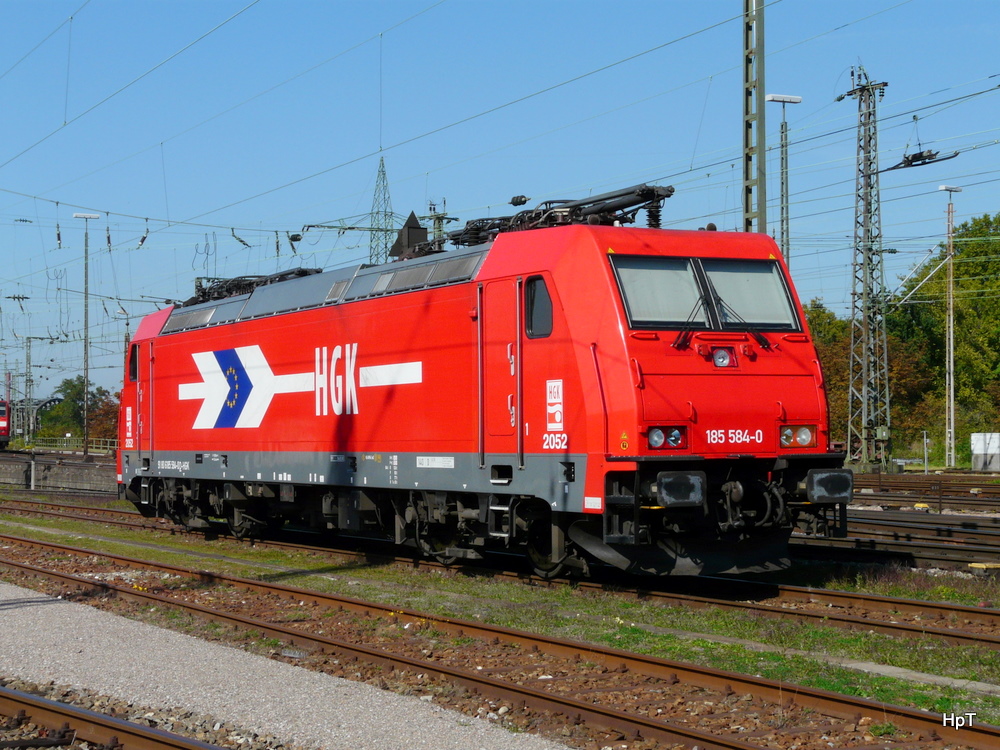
[[868, 428]]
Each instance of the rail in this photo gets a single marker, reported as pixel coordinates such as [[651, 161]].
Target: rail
[[91, 727]]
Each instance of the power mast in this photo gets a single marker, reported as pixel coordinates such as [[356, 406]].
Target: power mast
[[754, 146], [382, 231], [868, 427], [438, 220]]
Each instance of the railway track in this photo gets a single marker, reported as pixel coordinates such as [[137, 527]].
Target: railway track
[[915, 554], [912, 543], [912, 538], [950, 623], [986, 484], [905, 618], [940, 492], [63, 725], [635, 695], [909, 525], [111, 516], [886, 536]]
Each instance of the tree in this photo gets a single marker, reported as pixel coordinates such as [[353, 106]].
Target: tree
[[67, 416], [909, 379], [103, 415], [921, 323], [832, 337], [824, 324]]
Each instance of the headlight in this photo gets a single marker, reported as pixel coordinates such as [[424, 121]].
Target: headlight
[[666, 437], [722, 357], [801, 436]]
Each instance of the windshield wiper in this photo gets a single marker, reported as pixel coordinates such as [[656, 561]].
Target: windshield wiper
[[685, 332], [725, 307], [759, 337]]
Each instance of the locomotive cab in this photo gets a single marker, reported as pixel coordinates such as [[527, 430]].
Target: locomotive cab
[[729, 406]]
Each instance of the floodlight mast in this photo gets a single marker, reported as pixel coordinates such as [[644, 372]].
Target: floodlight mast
[[785, 238], [949, 371], [86, 326]]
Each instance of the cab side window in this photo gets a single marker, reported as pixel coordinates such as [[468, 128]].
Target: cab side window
[[133, 363], [538, 308]]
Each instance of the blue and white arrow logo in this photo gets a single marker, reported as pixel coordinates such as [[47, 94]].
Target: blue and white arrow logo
[[237, 387]]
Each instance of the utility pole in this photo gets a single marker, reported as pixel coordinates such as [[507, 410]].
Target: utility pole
[[86, 327], [438, 219], [754, 142], [382, 233], [30, 413], [869, 440], [27, 424], [785, 242], [868, 428], [949, 371]]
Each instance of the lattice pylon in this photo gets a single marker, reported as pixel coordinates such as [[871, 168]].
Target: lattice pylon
[[868, 427], [383, 233]]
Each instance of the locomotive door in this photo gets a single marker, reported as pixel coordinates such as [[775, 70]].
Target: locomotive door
[[500, 410], [141, 372]]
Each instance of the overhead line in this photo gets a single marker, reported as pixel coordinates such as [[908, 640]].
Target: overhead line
[[50, 35], [256, 96], [470, 118], [191, 222], [129, 84]]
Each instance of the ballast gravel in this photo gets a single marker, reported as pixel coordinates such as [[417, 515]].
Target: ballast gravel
[[46, 640]]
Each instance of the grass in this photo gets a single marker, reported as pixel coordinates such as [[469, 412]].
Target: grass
[[799, 652], [883, 730], [932, 586], [802, 670]]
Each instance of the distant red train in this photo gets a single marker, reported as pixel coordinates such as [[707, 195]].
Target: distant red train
[[4, 425], [559, 385]]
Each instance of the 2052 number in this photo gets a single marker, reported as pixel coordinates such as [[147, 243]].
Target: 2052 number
[[555, 441]]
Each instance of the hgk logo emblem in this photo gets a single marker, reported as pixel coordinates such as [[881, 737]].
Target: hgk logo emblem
[[238, 385]]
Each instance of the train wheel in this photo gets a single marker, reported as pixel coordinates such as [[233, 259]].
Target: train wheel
[[441, 556], [436, 529], [241, 525], [170, 504], [435, 544], [538, 547]]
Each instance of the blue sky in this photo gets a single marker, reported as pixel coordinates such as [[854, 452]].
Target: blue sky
[[200, 120]]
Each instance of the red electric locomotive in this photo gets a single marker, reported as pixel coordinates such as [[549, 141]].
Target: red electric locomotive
[[560, 384]]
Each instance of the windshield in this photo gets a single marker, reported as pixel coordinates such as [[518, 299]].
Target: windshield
[[750, 293], [689, 293], [660, 291]]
